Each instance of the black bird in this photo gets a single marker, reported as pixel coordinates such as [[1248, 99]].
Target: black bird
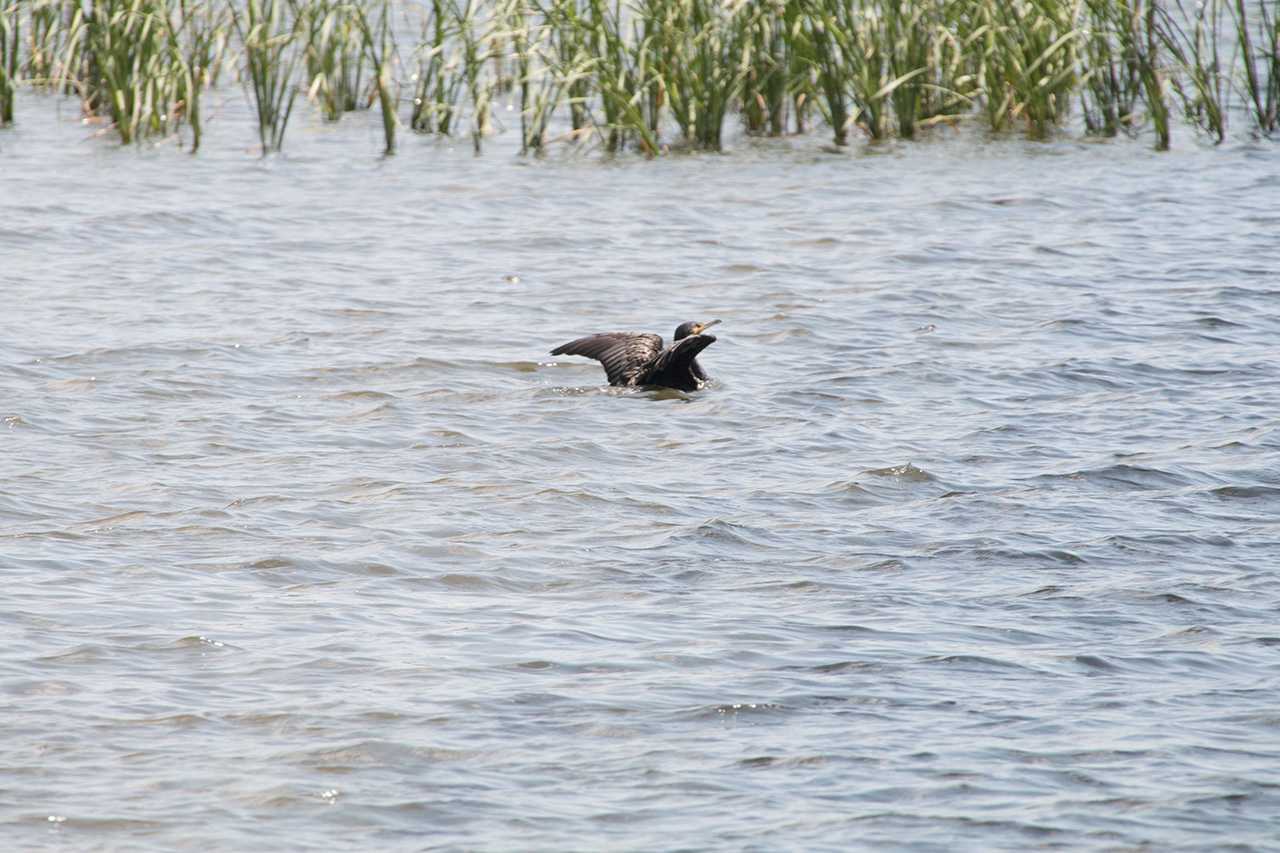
[[636, 358]]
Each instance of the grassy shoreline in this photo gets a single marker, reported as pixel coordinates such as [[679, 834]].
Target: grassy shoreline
[[648, 75]]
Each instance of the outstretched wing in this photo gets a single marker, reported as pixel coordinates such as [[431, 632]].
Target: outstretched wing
[[623, 354], [675, 366]]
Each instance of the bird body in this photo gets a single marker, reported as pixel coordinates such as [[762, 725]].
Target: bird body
[[634, 359]]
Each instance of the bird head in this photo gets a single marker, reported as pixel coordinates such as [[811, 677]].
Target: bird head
[[684, 330]]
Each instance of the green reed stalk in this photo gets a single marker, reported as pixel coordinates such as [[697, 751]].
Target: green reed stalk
[[1261, 64], [891, 53], [1201, 85], [1029, 61], [623, 76], [654, 98], [801, 82], [439, 84], [1148, 64], [569, 59], [10, 30], [629, 70], [1133, 57], [1111, 73], [698, 55], [776, 85], [132, 73], [516, 17], [379, 47], [868, 62], [824, 44], [909, 33], [754, 108], [949, 86], [333, 53], [268, 39], [45, 28], [764, 90], [197, 34], [475, 54], [541, 81]]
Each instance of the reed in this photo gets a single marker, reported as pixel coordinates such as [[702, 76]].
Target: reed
[[10, 32], [1260, 53], [824, 43], [45, 33], [475, 46], [1149, 68], [380, 49], [437, 86], [1112, 77], [697, 50], [869, 56], [334, 58], [1028, 62], [1192, 38], [199, 42], [764, 85], [133, 73], [268, 38], [909, 31], [646, 75], [630, 93], [540, 78], [569, 60], [949, 88]]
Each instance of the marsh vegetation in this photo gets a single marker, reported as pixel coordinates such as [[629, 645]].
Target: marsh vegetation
[[652, 75]]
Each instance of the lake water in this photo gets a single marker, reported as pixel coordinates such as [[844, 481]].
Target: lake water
[[308, 544]]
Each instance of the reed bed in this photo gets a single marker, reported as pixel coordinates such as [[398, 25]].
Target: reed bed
[[651, 76], [10, 42]]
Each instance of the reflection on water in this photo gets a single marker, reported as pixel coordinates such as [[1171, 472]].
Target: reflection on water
[[307, 543]]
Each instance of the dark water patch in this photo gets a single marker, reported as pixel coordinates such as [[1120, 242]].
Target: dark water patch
[[907, 473], [836, 667], [716, 531], [360, 395], [1246, 492], [1096, 663], [1127, 477], [974, 663]]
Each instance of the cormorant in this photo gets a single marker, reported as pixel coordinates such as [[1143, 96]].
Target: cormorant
[[636, 358]]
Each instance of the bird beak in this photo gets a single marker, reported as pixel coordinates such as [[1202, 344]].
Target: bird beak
[[702, 327]]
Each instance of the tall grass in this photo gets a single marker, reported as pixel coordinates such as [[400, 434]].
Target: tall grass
[[1192, 38], [630, 94], [698, 51], [1028, 61], [380, 50], [437, 83], [198, 44], [1113, 82], [764, 85], [10, 30], [134, 70], [1258, 36], [334, 54], [268, 36], [650, 75], [44, 33]]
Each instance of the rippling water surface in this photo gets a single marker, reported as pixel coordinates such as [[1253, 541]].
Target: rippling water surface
[[306, 543]]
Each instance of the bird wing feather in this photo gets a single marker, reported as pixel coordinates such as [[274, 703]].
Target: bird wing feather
[[678, 359], [623, 354]]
